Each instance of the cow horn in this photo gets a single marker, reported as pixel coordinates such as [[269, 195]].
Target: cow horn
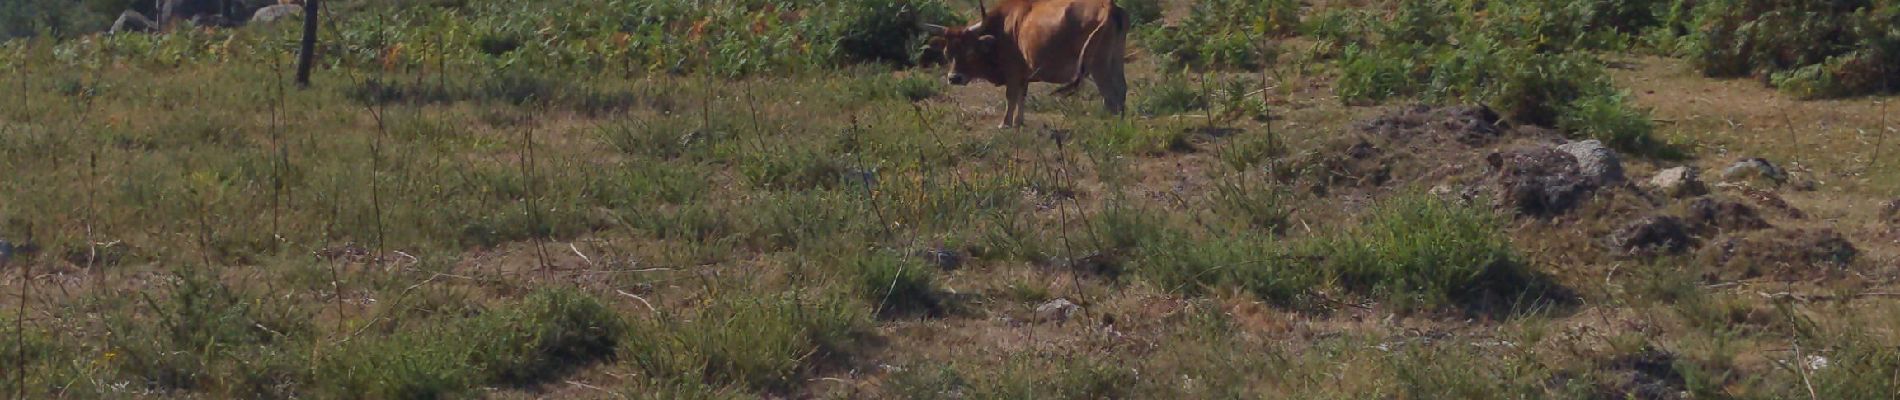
[[935, 29]]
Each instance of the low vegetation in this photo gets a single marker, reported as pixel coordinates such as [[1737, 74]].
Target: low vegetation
[[770, 198]]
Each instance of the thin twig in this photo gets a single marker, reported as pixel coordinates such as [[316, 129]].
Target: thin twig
[[643, 300], [577, 251], [596, 388]]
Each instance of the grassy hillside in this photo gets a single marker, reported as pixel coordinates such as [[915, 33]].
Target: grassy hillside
[[770, 199]]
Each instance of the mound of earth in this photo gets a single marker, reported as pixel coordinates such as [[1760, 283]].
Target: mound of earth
[[1773, 201], [1656, 234], [1540, 180], [1470, 125], [1782, 253], [1714, 215], [1649, 374]]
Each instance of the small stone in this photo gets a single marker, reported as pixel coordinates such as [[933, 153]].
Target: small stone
[[1679, 182], [1056, 310], [1754, 168], [1595, 161], [1891, 211]]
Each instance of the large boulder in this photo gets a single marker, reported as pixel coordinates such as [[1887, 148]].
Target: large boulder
[[133, 22], [276, 12], [1539, 180], [1679, 182], [1596, 161]]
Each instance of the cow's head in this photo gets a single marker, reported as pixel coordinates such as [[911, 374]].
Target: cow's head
[[971, 51]]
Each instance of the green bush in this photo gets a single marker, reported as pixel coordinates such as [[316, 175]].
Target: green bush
[[200, 327], [1224, 34], [1142, 12], [544, 336], [764, 342], [1260, 206], [1249, 261], [1172, 95], [1811, 49], [886, 30], [1419, 251], [1519, 59], [897, 286], [1611, 119]]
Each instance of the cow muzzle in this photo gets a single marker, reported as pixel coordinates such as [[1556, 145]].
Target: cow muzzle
[[957, 79]]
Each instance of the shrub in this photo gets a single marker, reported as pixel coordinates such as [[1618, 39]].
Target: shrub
[[1141, 12], [1249, 261], [544, 336], [1810, 49], [1224, 34], [201, 325], [1262, 207], [764, 342], [886, 30], [897, 286], [1419, 251], [1518, 59], [1611, 119], [1173, 95]]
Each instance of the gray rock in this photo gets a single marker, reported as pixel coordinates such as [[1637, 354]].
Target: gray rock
[[6, 251], [276, 12], [1056, 310], [1679, 182], [133, 22], [1754, 168], [1541, 181], [1595, 161]]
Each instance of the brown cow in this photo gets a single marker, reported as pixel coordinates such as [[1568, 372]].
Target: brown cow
[[1054, 41]]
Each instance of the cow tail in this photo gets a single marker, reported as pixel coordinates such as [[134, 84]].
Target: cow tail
[[1082, 61]]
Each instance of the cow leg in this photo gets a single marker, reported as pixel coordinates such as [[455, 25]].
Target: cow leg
[[1111, 82], [1013, 115]]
